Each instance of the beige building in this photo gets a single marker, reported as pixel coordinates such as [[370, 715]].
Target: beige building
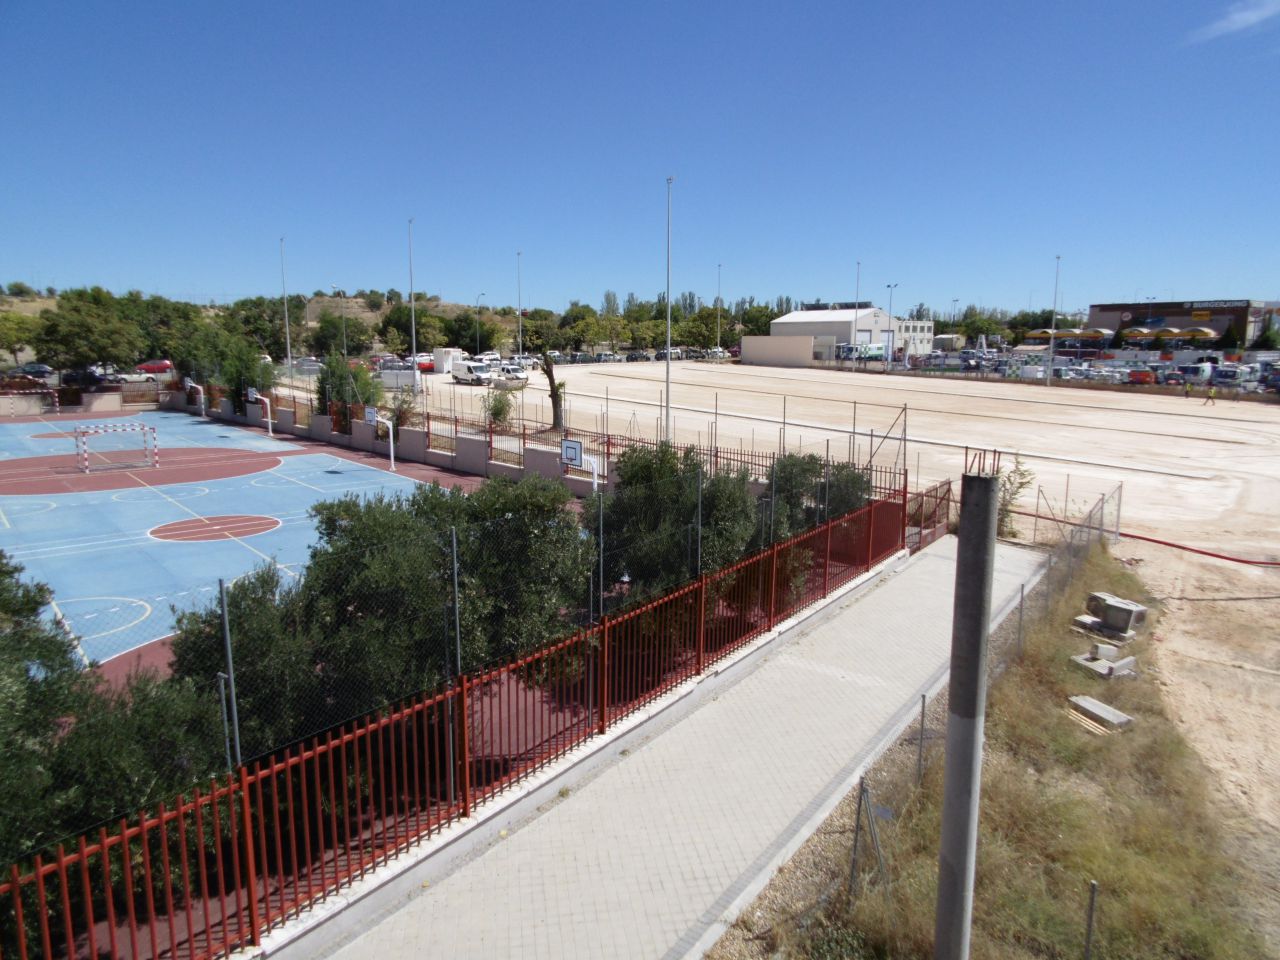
[[856, 324]]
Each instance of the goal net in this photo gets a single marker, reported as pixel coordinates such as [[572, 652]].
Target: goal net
[[116, 446]]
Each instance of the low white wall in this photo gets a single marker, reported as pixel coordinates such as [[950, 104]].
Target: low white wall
[[777, 351]]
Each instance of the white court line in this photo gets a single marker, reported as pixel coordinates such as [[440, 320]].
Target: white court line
[[296, 480], [62, 622]]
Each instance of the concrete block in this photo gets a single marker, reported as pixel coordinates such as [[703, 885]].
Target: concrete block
[[1105, 651], [1099, 712], [284, 420], [1105, 668]]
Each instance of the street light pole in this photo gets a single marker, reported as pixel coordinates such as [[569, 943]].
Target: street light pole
[[478, 299], [888, 363], [413, 315], [954, 302], [718, 266], [667, 395], [342, 310], [519, 309], [1053, 320], [284, 297]]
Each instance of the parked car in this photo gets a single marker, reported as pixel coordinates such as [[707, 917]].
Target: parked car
[[155, 366], [717, 353], [22, 381], [1142, 375], [512, 371], [694, 353], [638, 356], [473, 372], [605, 357], [578, 357], [307, 365], [32, 369], [426, 363], [85, 379]]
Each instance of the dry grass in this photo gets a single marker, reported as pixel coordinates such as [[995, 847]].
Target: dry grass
[[1060, 807]]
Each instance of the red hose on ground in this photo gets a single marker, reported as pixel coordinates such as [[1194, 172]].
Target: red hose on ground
[[1162, 543]]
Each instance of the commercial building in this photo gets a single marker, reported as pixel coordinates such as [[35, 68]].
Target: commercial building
[[856, 323], [1203, 319]]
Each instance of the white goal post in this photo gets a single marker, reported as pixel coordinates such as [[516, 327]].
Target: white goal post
[[145, 454]]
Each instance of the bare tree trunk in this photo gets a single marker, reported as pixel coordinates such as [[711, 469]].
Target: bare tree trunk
[[557, 393]]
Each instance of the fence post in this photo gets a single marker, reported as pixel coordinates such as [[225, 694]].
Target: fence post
[[702, 621], [773, 583], [427, 417], [250, 867], [604, 675], [464, 751], [902, 534], [871, 531], [826, 563]]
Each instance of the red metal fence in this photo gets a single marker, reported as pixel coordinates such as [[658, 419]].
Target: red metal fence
[[215, 870]]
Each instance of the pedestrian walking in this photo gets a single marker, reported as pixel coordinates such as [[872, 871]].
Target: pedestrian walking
[[1209, 397], [1186, 389]]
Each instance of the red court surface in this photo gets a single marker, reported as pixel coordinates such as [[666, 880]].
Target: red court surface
[[233, 527], [61, 473]]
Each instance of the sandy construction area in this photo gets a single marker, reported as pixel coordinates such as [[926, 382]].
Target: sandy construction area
[[1202, 476]]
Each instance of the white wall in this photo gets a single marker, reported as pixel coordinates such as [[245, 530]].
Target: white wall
[[777, 351]]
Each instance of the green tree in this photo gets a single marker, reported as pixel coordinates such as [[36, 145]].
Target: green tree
[[1268, 339], [1230, 339], [755, 320], [394, 296], [651, 519], [327, 336], [20, 289], [17, 332], [242, 367], [394, 342], [794, 489], [609, 306], [430, 328], [374, 300], [85, 329], [41, 683]]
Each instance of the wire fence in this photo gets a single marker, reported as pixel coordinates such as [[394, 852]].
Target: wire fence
[[212, 870]]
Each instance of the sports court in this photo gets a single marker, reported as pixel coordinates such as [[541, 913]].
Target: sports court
[[128, 545]]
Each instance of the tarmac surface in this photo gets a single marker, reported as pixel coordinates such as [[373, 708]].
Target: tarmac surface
[[660, 851]]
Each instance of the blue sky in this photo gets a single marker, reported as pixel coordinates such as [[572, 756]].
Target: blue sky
[[954, 149]]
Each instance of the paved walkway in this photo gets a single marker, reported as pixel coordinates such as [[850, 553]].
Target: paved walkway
[[644, 860]]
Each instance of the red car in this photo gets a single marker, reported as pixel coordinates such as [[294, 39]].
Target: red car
[[155, 366]]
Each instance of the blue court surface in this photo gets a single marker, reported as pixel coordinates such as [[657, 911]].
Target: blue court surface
[[115, 585]]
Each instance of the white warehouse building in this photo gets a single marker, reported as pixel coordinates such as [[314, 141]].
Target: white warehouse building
[[855, 324]]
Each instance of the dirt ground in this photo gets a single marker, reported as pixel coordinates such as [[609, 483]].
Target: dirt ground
[[1205, 476]]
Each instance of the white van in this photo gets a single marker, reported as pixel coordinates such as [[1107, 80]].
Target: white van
[[1196, 372], [472, 371]]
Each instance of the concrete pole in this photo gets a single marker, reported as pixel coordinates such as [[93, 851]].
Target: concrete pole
[[971, 615]]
